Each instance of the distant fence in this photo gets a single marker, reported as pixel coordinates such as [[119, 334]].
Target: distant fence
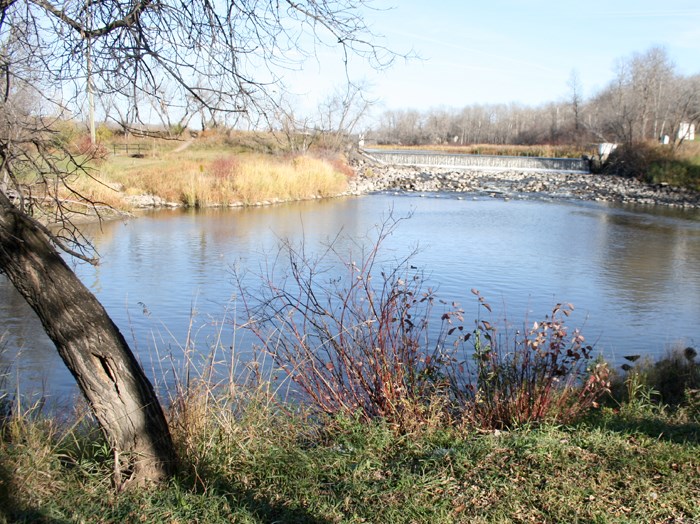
[[128, 149], [433, 159]]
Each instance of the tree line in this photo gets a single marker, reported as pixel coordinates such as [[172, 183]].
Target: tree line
[[647, 99]]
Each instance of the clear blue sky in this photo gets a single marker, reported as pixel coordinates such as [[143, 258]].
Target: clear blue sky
[[503, 51]]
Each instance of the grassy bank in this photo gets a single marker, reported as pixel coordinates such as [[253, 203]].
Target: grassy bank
[[210, 171], [655, 164], [246, 458], [681, 169], [239, 168]]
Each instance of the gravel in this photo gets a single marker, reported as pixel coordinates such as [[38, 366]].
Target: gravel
[[521, 184]]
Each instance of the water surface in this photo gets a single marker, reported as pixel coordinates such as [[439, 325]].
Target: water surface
[[633, 274]]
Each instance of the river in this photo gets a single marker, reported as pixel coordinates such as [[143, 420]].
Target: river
[[633, 274]]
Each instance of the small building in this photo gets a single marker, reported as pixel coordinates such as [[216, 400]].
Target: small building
[[604, 150], [686, 131]]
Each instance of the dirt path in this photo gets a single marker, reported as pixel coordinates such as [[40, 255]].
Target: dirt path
[[187, 143]]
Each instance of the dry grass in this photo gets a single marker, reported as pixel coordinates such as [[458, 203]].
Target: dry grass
[[303, 177], [690, 152], [30, 465], [544, 151], [213, 177]]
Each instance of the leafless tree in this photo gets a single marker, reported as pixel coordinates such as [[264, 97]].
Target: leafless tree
[[224, 56], [341, 113], [293, 132], [643, 102], [647, 98], [576, 101], [683, 108]]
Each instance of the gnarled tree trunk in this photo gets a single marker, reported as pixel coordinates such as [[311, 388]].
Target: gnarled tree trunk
[[96, 353]]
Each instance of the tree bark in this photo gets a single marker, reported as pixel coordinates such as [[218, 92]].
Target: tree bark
[[92, 347]]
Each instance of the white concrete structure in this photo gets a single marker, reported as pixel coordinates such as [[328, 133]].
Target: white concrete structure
[[604, 150], [686, 131]]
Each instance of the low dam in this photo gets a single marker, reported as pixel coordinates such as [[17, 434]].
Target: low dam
[[490, 162]]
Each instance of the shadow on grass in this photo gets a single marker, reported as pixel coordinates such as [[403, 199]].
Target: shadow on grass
[[267, 511], [253, 503], [653, 427], [11, 510]]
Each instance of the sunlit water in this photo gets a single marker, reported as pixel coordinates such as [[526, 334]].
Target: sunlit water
[[632, 274]]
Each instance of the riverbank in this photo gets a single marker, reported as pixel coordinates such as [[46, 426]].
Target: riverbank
[[245, 170], [250, 460], [496, 184], [521, 184], [209, 174]]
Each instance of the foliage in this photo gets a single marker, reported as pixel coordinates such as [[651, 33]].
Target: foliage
[[224, 167], [358, 343], [96, 152], [544, 373], [671, 380], [104, 133], [64, 132], [654, 164], [361, 342], [634, 160], [674, 172]]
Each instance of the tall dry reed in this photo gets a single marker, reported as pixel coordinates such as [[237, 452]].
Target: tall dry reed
[[206, 178]]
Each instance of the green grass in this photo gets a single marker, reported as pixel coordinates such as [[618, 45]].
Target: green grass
[[247, 460], [676, 173], [656, 164]]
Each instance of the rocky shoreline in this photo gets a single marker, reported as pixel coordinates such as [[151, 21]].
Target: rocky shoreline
[[519, 184], [506, 184]]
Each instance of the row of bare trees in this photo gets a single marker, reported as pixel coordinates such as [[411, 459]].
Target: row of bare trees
[[646, 100], [333, 123]]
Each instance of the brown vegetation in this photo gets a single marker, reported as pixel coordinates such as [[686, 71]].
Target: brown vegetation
[[217, 169], [362, 345]]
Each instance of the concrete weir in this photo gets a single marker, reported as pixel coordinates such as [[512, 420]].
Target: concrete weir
[[481, 162]]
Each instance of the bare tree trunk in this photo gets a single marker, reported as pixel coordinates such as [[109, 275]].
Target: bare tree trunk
[[96, 353]]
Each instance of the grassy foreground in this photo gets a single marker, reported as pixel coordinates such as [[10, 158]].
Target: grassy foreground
[[245, 458]]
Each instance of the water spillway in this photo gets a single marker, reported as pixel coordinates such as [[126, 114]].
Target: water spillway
[[491, 162]]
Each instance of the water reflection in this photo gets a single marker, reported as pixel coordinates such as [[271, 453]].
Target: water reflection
[[633, 275], [642, 259]]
